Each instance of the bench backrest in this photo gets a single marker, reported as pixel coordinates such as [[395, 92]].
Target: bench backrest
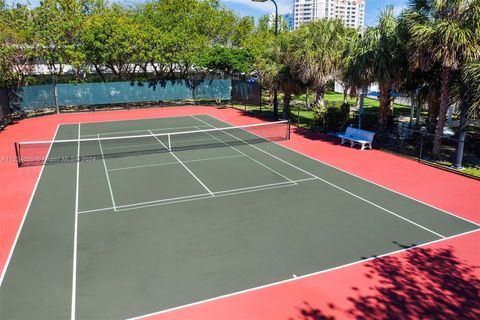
[[360, 134]]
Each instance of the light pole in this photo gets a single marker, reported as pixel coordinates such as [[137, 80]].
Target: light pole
[[275, 94]]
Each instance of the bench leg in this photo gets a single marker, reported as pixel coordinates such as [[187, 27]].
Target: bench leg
[[363, 146], [352, 143]]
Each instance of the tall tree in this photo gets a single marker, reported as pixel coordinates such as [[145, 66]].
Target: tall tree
[[316, 53], [449, 32], [379, 58]]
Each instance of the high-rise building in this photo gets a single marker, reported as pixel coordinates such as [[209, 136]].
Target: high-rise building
[[287, 17], [351, 12]]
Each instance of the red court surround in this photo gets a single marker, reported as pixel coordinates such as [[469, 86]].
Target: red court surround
[[329, 292]]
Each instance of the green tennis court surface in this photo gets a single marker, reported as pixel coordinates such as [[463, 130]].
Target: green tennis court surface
[[129, 232]]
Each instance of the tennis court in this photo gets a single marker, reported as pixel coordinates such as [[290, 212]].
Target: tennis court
[[162, 213]]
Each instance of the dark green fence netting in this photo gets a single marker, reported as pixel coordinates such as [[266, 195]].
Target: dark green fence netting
[[213, 89], [123, 92], [244, 92], [38, 97], [4, 105]]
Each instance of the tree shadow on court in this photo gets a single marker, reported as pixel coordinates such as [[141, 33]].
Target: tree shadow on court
[[426, 284]]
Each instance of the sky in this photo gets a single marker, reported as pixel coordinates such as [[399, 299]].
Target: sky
[[257, 9]]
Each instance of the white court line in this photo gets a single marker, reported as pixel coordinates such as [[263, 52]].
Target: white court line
[[246, 155], [359, 177], [154, 129], [309, 275], [176, 162], [7, 263], [197, 196], [280, 185], [75, 233], [180, 161], [336, 186], [106, 173]]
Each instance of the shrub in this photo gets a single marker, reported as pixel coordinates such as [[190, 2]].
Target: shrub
[[332, 118]]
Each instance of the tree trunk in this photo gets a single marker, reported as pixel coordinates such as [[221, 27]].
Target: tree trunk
[[345, 95], [384, 112], [287, 97], [442, 113], [100, 73], [433, 101], [319, 93]]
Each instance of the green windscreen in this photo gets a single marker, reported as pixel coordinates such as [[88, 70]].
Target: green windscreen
[[83, 94]]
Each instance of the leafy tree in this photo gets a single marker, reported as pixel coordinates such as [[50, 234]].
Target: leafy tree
[[114, 39], [226, 61], [58, 25], [17, 44]]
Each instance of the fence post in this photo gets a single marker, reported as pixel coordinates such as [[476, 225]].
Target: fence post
[[421, 147], [55, 95], [298, 115]]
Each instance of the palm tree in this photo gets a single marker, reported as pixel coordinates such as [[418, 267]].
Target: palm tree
[[276, 69], [379, 58], [316, 53], [448, 31]]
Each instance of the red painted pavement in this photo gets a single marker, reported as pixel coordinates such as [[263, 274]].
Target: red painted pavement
[[454, 193]]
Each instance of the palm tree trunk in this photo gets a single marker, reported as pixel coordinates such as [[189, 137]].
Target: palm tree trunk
[[433, 108], [345, 95], [385, 100], [442, 113], [319, 93]]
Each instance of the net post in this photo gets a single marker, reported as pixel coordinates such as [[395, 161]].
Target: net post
[[169, 142], [17, 154], [288, 130]]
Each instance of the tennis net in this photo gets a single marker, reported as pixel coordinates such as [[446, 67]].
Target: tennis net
[[30, 153]]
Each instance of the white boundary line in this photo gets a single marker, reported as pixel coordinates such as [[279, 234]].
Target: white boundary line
[[154, 129], [217, 195], [246, 155], [106, 173], [7, 263], [184, 165], [200, 196], [337, 187], [300, 277], [176, 162], [75, 234]]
